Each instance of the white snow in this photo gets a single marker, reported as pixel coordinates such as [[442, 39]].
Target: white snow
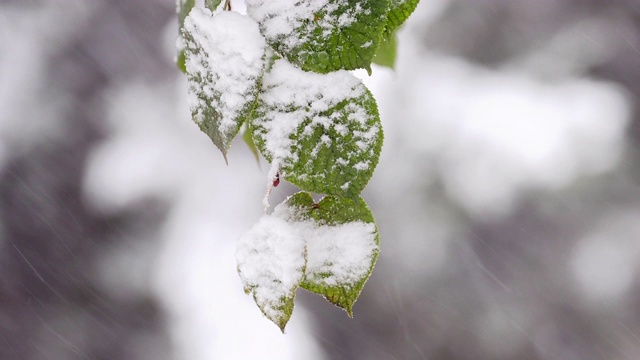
[[230, 63], [345, 251], [363, 165], [396, 3]]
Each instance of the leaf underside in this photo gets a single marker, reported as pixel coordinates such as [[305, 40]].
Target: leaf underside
[[248, 140], [386, 54]]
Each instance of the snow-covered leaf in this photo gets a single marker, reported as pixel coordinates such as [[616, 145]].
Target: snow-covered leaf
[[399, 12], [328, 248], [225, 61], [271, 259], [342, 251], [322, 132], [322, 35]]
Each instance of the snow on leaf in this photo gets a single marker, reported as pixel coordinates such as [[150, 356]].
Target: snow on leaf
[[341, 251], [322, 35], [322, 132], [271, 260], [225, 63], [399, 12]]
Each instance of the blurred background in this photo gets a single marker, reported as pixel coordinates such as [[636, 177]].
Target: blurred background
[[507, 194]]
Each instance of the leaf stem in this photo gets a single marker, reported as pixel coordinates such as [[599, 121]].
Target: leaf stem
[[275, 169]]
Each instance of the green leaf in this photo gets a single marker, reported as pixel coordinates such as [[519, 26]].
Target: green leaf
[[341, 250], [248, 139], [386, 54], [322, 132], [180, 62], [302, 204], [225, 61], [184, 8], [271, 259], [399, 12], [322, 36], [212, 4]]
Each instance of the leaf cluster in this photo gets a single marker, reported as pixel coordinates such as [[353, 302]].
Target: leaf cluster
[[282, 74]]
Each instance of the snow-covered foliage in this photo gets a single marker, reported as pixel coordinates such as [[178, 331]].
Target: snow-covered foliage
[[281, 72], [326, 248]]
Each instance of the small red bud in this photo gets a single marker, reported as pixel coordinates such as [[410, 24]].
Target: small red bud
[[276, 180]]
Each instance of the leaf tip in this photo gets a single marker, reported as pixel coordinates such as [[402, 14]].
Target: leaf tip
[[224, 155], [349, 312], [282, 326], [282, 321], [346, 305]]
